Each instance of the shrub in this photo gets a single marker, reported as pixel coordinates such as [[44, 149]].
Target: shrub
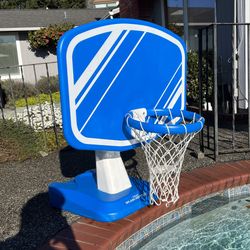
[[41, 98], [45, 85], [17, 89], [47, 37], [193, 78]]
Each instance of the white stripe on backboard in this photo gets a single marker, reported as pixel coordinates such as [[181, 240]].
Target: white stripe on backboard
[[176, 96], [163, 93], [96, 61], [110, 85], [170, 97], [101, 70]]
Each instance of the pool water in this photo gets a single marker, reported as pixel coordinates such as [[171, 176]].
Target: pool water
[[215, 224]]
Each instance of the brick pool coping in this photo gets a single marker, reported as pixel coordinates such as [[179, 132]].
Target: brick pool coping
[[88, 234]]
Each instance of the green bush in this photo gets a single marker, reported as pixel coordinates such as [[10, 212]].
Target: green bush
[[48, 37], [193, 78], [17, 89], [43, 87], [45, 84], [41, 98]]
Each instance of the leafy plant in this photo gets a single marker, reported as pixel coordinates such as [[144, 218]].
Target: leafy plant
[[35, 4], [48, 37], [41, 98], [193, 78], [17, 90], [46, 85]]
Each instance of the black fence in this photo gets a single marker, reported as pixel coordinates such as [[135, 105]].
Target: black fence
[[31, 96], [224, 88]]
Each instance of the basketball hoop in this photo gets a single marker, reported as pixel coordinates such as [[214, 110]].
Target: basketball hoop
[[96, 94], [164, 135]]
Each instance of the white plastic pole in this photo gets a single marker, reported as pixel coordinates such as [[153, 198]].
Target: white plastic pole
[[235, 94], [247, 20], [112, 177]]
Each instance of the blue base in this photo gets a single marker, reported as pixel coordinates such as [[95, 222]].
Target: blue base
[[81, 196]]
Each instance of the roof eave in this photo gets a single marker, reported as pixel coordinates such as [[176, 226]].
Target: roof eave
[[20, 29]]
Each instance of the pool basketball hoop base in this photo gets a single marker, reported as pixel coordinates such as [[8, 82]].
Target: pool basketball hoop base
[[81, 196], [106, 69], [107, 194]]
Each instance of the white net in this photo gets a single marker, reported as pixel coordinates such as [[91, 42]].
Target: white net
[[164, 155]]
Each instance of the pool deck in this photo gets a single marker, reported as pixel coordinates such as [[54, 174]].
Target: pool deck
[[88, 234]]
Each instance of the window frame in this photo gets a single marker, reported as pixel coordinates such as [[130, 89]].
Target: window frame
[[19, 56]]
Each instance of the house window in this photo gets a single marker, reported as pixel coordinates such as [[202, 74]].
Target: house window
[[175, 12], [8, 55], [200, 14]]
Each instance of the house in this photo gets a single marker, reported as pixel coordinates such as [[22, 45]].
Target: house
[[14, 46], [165, 13], [232, 41]]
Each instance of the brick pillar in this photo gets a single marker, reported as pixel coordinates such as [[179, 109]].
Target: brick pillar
[[139, 9], [129, 9]]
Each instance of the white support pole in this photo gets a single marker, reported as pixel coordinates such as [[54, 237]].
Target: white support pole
[[112, 177], [235, 63], [247, 20]]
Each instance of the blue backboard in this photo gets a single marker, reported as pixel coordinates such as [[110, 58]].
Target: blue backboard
[[107, 68]]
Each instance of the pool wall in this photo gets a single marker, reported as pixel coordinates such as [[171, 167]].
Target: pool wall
[[227, 179], [178, 214]]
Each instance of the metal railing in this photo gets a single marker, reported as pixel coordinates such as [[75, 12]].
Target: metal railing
[[33, 98], [227, 128]]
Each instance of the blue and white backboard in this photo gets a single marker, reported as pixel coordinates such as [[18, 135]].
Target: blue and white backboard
[[107, 68]]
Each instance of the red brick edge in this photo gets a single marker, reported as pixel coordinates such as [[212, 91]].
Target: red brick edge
[[88, 234]]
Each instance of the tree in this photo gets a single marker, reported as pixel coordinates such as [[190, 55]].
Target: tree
[[36, 4], [77, 4], [32, 4], [12, 4], [193, 80]]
